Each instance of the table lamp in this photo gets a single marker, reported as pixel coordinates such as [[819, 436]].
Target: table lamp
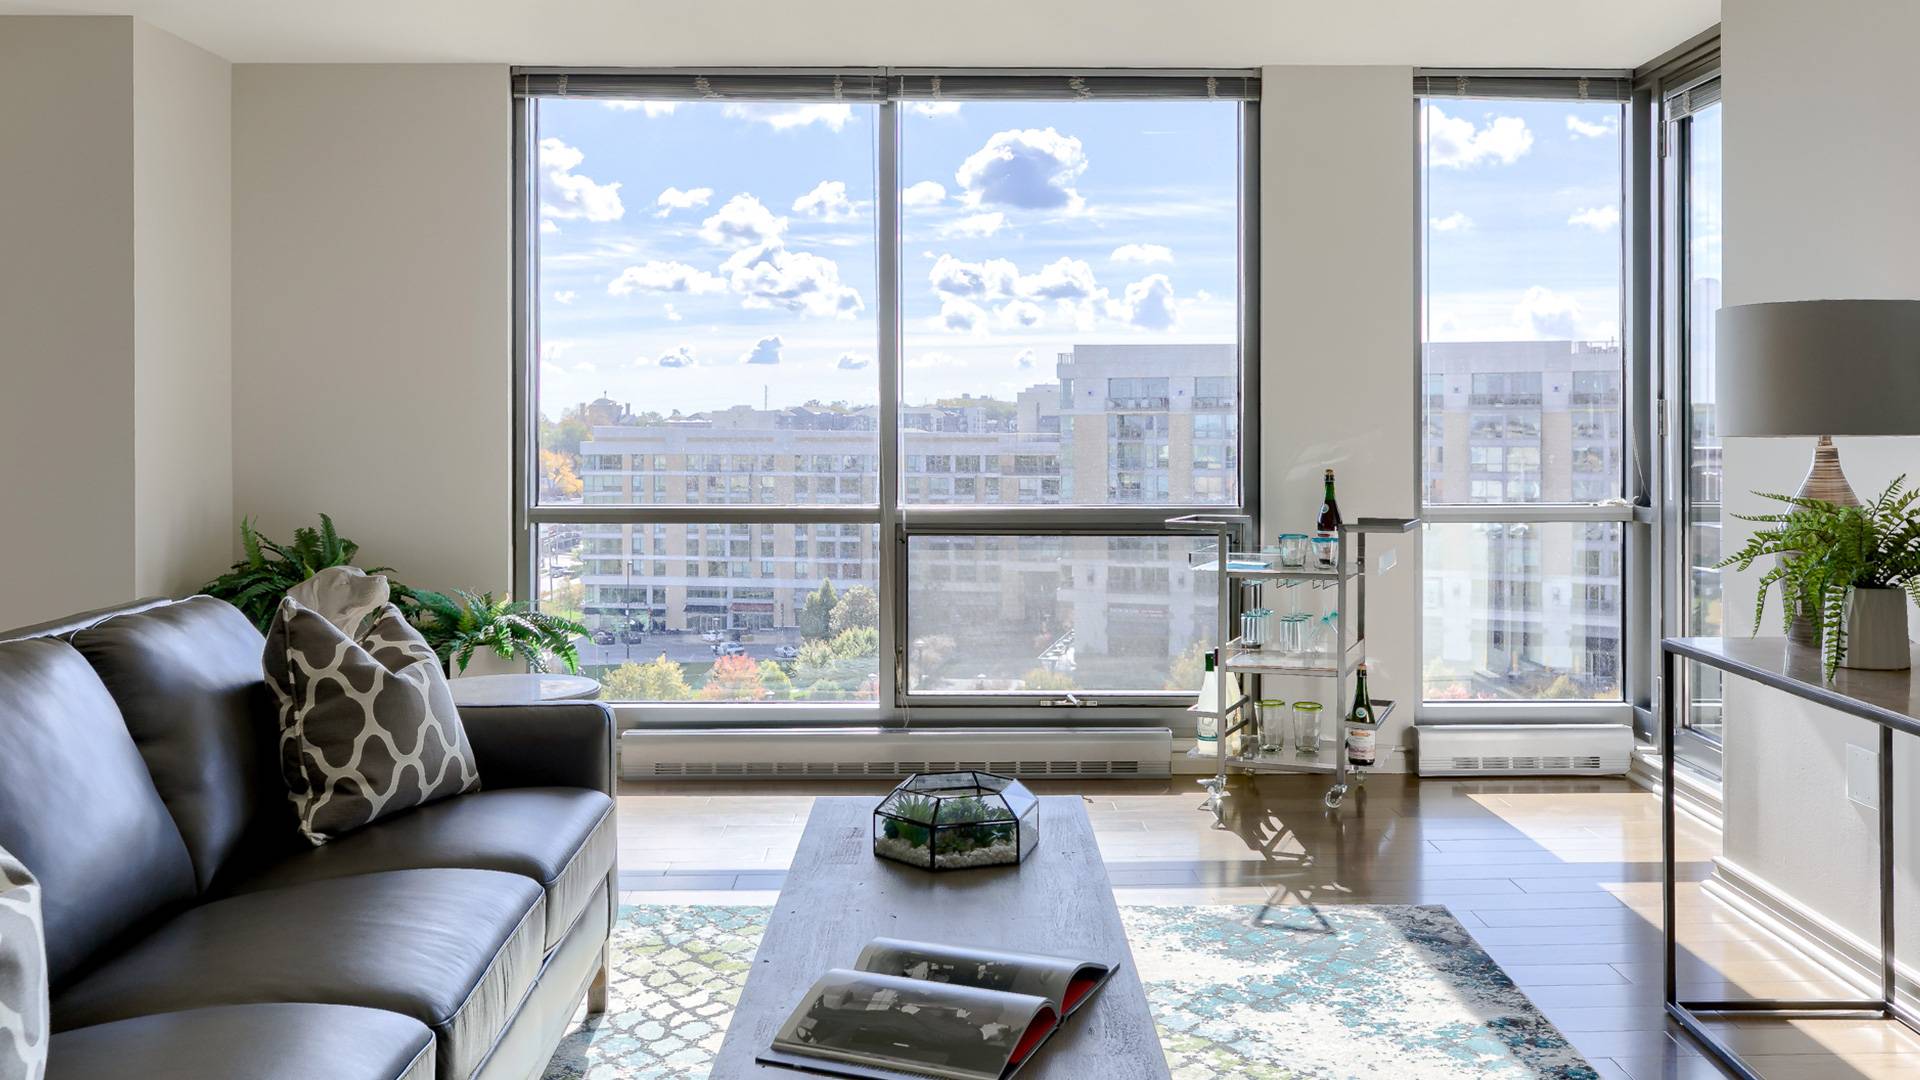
[[1819, 368]]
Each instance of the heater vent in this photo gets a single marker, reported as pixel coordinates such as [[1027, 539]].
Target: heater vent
[[814, 753], [1524, 749]]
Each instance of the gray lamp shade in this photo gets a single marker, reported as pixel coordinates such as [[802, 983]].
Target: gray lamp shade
[[1819, 367]]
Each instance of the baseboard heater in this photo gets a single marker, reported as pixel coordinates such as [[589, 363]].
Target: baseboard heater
[[790, 753], [1525, 749]]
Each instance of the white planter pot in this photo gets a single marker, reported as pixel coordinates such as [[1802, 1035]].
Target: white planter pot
[[1877, 630]]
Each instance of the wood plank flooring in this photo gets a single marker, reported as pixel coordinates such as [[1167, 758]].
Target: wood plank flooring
[[1557, 879]]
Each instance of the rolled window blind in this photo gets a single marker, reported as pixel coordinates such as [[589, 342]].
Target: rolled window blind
[[1552, 86], [876, 85], [1684, 103], [868, 85]]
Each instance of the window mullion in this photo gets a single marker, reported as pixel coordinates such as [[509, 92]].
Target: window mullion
[[892, 568]]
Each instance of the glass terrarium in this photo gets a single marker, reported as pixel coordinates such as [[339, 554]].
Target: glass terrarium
[[948, 821]]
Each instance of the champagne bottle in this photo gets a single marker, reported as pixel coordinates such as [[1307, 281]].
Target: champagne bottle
[[1363, 725], [1329, 521]]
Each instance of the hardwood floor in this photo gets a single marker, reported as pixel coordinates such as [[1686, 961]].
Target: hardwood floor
[[1558, 880]]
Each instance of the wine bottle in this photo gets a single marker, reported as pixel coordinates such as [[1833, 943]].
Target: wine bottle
[[1363, 725], [1328, 523]]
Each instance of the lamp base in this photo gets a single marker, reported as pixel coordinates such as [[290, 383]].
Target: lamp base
[[1824, 479]]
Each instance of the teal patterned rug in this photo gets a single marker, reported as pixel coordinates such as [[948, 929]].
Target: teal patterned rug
[[1239, 993]]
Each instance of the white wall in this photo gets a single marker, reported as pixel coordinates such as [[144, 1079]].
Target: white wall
[[371, 311], [183, 289], [113, 296], [1821, 155], [1339, 358]]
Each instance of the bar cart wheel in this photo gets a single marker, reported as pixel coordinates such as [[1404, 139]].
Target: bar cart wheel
[[1334, 794], [1215, 801]]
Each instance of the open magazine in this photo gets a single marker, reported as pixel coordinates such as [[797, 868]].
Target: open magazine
[[910, 1009]]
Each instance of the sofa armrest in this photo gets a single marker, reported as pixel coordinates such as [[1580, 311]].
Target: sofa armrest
[[563, 744]]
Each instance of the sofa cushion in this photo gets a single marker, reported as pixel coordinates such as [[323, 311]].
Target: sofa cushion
[[249, 1042], [187, 679], [456, 950], [562, 838], [23, 973], [367, 724], [77, 805]]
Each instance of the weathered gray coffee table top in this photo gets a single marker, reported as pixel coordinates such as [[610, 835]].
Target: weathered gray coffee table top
[[838, 896]]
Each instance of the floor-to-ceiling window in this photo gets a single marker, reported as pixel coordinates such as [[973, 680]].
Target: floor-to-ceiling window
[[1527, 485], [875, 387]]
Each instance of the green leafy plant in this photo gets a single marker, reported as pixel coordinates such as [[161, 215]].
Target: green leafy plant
[[1828, 550], [460, 625], [256, 583]]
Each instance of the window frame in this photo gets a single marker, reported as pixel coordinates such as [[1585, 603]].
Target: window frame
[[897, 521], [1634, 509]]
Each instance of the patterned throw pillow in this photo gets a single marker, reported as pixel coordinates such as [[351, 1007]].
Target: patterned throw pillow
[[367, 724], [23, 975]]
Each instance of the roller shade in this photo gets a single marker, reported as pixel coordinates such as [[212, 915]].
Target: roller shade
[[1544, 85], [868, 85], [1684, 103], [877, 85], [1070, 86]]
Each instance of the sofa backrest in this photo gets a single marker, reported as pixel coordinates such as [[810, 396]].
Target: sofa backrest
[[188, 682], [78, 807]]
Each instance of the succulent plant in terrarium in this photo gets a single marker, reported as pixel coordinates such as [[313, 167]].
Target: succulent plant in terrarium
[[949, 820]]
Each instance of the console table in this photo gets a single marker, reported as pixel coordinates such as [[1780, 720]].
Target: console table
[[1888, 699]]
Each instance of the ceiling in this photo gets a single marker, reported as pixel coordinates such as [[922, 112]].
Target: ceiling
[[1107, 33]]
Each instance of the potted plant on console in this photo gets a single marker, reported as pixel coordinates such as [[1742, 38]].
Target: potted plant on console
[[1854, 567]]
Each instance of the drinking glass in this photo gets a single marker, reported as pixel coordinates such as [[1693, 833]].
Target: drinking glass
[[1306, 728], [1293, 549], [1273, 726], [1326, 553]]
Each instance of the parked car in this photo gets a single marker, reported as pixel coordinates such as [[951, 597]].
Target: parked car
[[711, 636], [729, 648], [603, 637], [786, 652], [633, 637]]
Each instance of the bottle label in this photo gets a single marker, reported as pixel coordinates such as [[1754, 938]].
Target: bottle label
[[1361, 745]]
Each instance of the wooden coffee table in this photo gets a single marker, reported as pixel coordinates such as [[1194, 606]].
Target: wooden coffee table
[[839, 896]]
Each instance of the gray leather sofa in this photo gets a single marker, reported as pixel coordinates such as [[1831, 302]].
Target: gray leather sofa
[[191, 932]]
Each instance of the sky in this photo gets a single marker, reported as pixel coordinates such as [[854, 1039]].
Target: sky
[[701, 255], [698, 255]]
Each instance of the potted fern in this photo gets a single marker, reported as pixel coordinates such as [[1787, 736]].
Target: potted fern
[[268, 569], [465, 623], [1852, 567]]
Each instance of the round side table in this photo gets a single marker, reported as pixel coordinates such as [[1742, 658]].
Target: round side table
[[522, 689]]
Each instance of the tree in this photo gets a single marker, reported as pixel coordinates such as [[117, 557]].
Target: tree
[[774, 678], [1189, 668], [656, 680], [838, 665], [859, 607], [734, 678], [565, 600], [557, 476], [816, 615], [1042, 679]]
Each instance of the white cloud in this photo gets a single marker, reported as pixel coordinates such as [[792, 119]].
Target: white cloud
[[664, 277], [1147, 303], [1585, 129], [1061, 279], [957, 314], [1142, 253], [1454, 222], [784, 117], [827, 201], [850, 362], [935, 108], [651, 108], [934, 359], [1454, 142], [568, 196], [743, 223], [1548, 315], [549, 227], [670, 312], [680, 357], [773, 277], [1020, 314], [674, 199], [1027, 169], [975, 225], [564, 296], [924, 193], [1597, 218], [1025, 359], [989, 279], [765, 351]]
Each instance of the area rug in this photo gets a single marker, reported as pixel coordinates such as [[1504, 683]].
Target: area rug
[[1238, 993]]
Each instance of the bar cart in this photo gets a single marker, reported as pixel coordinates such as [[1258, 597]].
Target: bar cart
[[1230, 563]]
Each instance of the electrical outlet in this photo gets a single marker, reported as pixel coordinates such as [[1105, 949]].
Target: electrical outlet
[[1863, 777]]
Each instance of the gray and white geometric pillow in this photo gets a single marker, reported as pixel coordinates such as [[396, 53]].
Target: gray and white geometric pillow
[[23, 974], [367, 725]]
